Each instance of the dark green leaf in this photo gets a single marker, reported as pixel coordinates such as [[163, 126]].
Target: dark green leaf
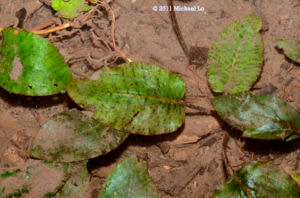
[[73, 136], [31, 65], [291, 49], [34, 179], [137, 98], [261, 116], [130, 179], [71, 8], [259, 181], [235, 58]]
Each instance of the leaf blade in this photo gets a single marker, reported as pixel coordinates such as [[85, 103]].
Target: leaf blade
[[235, 58], [260, 117], [291, 48], [129, 179], [31, 65], [72, 136], [137, 98], [260, 180], [70, 9]]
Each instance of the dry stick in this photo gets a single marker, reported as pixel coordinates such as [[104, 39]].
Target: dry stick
[[177, 30], [181, 39], [61, 27], [229, 169], [48, 23], [49, 30], [199, 108]]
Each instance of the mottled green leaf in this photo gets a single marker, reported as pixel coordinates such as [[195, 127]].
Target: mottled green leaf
[[71, 8], [77, 186], [31, 65], [291, 48], [73, 136], [259, 181], [137, 98], [259, 116], [130, 179], [235, 58], [34, 179]]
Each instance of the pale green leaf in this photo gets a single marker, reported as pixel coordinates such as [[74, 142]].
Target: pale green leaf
[[137, 98], [235, 58], [71, 8], [291, 48]]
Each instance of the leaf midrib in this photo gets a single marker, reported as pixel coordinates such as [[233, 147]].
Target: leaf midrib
[[163, 100], [228, 83]]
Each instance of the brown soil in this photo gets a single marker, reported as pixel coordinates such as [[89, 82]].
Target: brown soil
[[189, 162]]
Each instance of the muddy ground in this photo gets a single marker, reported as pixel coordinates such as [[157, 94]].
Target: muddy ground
[[187, 163]]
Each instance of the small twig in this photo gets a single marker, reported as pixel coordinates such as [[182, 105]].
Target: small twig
[[199, 108], [228, 169], [178, 31], [52, 29], [48, 23]]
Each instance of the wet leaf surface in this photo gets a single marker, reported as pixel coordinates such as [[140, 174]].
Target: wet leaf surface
[[31, 65], [129, 179], [259, 180], [137, 98], [235, 58], [70, 9], [291, 48], [72, 136], [259, 116], [34, 179]]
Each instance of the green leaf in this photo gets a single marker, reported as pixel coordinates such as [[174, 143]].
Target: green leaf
[[260, 116], [129, 179], [34, 179], [71, 8], [137, 98], [72, 136], [31, 65], [259, 181], [291, 48], [235, 58], [296, 177], [77, 185]]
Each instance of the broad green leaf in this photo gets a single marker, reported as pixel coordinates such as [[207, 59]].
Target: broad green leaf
[[129, 179], [137, 98], [259, 116], [34, 179], [291, 48], [31, 65], [72, 136], [71, 8], [235, 58], [259, 181], [77, 186]]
